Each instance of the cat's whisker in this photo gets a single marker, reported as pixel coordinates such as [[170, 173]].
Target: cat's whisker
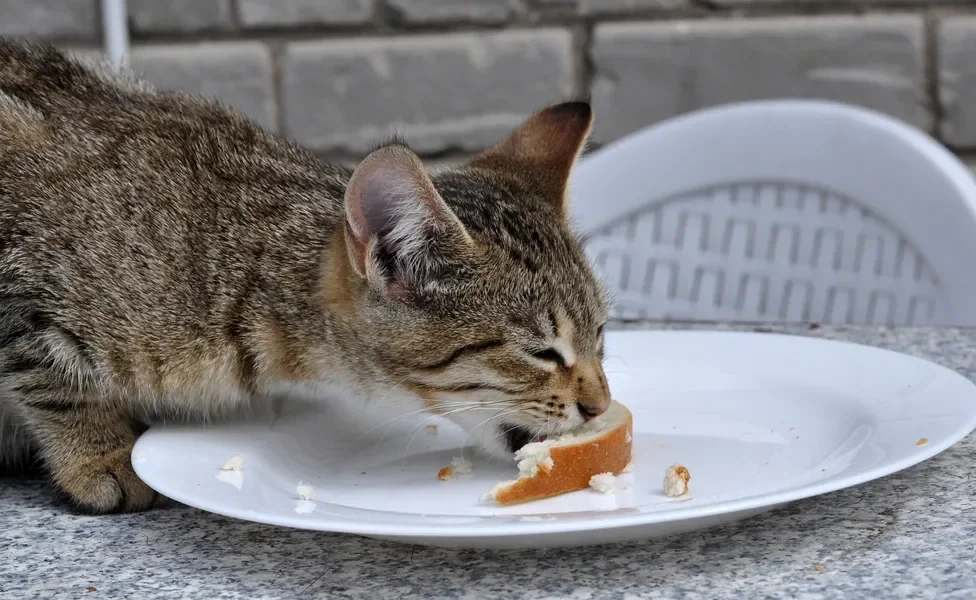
[[607, 359], [473, 429], [510, 428], [458, 407], [393, 419], [395, 387], [420, 428], [488, 420], [487, 424], [390, 391], [428, 409], [475, 406], [422, 425]]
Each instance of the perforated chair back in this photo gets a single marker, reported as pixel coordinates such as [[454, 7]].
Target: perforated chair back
[[790, 211]]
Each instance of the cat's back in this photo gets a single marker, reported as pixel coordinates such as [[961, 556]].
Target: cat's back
[[61, 114], [84, 147], [56, 108], [114, 193]]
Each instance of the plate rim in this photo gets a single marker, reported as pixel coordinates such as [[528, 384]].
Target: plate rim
[[512, 526]]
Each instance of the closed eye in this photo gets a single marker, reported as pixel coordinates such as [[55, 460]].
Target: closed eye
[[550, 355], [462, 351]]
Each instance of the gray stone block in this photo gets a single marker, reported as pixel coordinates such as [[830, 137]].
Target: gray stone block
[[237, 73], [49, 19], [461, 91], [646, 72], [800, 4], [605, 7], [957, 81], [437, 11], [279, 13], [614, 7], [183, 16]]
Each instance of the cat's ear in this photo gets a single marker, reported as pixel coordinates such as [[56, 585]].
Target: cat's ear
[[544, 148], [395, 219]]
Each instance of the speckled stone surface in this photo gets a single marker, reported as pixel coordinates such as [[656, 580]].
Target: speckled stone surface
[[910, 535]]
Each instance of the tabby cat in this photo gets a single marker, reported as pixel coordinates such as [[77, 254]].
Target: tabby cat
[[160, 254]]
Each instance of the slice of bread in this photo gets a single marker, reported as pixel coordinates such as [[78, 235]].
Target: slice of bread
[[567, 462]]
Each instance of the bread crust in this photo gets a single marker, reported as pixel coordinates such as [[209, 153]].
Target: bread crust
[[608, 451]]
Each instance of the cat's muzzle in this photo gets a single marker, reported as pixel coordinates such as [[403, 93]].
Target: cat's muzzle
[[517, 436]]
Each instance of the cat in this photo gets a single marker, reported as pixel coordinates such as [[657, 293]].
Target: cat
[[160, 254]]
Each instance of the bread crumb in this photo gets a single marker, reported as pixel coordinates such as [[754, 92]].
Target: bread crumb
[[432, 429], [676, 480], [91, 589], [445, 474], [628, 469], [234, 463], [792, 429], [605, 483], [818, 567], [533, 458], [305, 491], [363, 473], [461, 466], [922, 441]]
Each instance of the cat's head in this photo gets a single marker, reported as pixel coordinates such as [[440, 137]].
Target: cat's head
[[475, 294]]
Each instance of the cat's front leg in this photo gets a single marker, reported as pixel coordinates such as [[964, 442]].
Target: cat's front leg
[[86, 447]]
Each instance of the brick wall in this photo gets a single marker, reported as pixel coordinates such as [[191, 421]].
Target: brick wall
[[453, 75]]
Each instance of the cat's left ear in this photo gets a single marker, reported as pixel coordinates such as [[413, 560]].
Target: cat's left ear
[[544, 148], [396, 222]]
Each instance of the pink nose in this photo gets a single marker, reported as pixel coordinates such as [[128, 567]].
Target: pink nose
[[591, 410], [592, 393]]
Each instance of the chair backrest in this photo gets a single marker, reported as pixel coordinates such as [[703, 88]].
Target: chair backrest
[[791, 210]]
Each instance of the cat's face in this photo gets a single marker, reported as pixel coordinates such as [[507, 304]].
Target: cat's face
[[478, 297]]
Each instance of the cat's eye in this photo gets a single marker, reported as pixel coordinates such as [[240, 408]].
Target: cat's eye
[[599, 331], [550, 355]]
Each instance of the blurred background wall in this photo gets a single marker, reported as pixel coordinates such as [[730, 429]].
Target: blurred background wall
[[454, 75]]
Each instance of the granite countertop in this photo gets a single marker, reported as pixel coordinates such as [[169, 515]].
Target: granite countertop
[[909, 535]]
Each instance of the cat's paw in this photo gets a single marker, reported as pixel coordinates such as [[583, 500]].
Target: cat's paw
[[106, 484]]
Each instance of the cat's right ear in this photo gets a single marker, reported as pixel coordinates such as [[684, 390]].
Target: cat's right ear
[[394, 216], [544, 149]]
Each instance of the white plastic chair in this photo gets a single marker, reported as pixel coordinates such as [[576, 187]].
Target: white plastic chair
[[782, 211]]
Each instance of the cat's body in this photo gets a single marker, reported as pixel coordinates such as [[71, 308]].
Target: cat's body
[[160, 254]]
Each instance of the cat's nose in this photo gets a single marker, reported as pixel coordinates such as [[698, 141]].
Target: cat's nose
[[591, 410], [592, 392]]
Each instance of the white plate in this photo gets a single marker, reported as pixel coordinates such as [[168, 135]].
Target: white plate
[[758, 419]]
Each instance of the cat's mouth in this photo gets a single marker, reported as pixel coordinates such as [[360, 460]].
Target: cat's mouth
[[517, 436]]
